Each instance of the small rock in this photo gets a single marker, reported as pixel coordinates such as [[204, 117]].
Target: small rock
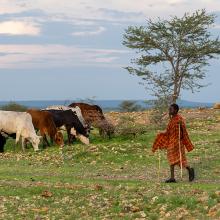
[[46, 194], [154, 199], [135, 209], [217, 193], [167, 214], [212, 211], [127, 209], [203, 199], [98, 187], [121, 214], [143, 214]]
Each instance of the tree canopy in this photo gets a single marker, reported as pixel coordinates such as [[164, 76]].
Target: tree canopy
[[173, 54]]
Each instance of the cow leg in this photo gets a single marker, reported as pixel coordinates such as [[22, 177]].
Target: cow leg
[[43, 134], [73, 138], [1, 148], [2, 143], [68, 129], [45, 140], [17, 139], [73, 135], [51, 139], [23, 143]]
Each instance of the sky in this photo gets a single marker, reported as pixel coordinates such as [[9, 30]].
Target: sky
[[72, 49]]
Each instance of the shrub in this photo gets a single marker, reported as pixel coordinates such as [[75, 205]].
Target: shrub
[[130, 106], [216, 106], [159, 111], [106, 129], [13, 106], [128, 127]]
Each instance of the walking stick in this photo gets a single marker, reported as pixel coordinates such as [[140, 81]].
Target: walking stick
[[159, 165], [180, 152]]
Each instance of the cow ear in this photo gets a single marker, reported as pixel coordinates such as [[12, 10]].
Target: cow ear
[[40, 137]]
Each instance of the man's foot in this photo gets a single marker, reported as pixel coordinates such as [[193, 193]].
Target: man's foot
[[191, 174], [171, 180]]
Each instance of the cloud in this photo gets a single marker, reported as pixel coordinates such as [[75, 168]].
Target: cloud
[[86, 12], [19, 28], [11, 6], [46, 56], [100, 30], [115, 10], [105, 59], [120, 14]]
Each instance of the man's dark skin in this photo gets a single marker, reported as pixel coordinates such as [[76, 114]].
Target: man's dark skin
[[173, 110]]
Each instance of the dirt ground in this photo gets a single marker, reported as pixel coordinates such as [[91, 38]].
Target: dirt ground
[[144, 117]]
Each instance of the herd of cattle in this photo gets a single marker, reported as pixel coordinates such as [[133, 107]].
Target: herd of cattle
[[76, 119]]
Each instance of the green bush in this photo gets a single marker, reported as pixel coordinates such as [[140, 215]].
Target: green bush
[[13, 106], [128, 127], [130, 106], [106, 129], [159, 111]]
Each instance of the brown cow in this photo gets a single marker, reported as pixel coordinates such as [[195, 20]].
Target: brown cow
[[43, 121], [91, 113], [94, 116]]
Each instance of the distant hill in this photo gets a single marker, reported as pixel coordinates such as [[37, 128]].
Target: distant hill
[[190, 104], [107, 105]]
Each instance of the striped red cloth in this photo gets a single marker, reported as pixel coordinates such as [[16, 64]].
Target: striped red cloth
[[169, 140]]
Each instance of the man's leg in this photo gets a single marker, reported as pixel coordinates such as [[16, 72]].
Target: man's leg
[[191, 173], [172, 178]]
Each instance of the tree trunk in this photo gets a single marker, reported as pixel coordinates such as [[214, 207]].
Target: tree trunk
[[175, 91], [174, 98]]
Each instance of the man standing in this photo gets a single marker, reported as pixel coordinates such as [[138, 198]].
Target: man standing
[[175, 139]]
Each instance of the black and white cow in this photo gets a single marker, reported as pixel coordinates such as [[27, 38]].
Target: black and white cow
[[75, 110], [73, 125]]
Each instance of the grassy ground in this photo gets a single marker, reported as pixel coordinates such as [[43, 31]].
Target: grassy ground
[[112, 179]]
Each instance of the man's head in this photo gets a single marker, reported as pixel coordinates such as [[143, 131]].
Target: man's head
[[173, 109]]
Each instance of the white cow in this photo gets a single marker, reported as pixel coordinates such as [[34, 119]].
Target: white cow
[[19, 123]]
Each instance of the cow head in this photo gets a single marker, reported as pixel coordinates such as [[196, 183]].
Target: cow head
[[35, 142], [59, 139], [82, 138], [87, 130]]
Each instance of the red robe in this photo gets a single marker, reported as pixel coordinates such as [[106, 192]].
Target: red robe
[[169, 140]]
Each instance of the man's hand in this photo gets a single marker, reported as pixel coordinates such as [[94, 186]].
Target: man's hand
[[161, 132]]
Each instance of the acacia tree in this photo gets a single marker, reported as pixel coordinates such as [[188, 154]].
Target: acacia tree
[[173, 53], [130, 106]]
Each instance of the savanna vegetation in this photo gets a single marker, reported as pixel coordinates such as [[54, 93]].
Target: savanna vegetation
[[115, 178]]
